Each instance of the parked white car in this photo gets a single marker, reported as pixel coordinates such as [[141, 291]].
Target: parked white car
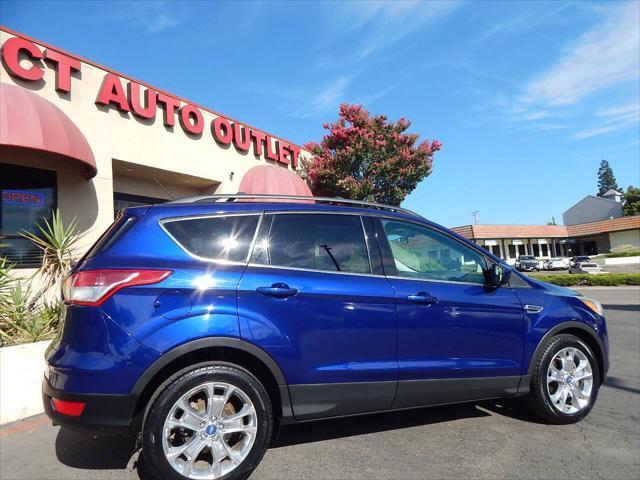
[[556, 263], [590, 268]]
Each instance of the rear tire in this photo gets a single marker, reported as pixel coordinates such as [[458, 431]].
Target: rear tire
[[565, 380], [212, 419]]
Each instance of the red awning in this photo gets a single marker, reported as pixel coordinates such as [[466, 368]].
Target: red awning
[[272, 180], [29, 121]]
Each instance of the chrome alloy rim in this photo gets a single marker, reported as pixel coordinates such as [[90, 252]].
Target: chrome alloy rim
[[209, 431], [569, 380]]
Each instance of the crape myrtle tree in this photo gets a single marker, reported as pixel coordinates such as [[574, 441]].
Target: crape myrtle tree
[[606, 179], [367, 157]]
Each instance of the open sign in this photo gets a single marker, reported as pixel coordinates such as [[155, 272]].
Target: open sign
[[22, 197]]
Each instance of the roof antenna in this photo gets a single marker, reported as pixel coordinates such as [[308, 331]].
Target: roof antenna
[[164, 188], [475, 214]]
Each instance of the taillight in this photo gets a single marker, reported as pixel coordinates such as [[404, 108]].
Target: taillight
[[93, 287]]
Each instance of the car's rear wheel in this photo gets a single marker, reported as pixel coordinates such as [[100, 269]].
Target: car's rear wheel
[[565, 380], [211, 421]]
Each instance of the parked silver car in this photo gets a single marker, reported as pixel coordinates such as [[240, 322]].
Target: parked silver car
[[555, 264], [590, 268]]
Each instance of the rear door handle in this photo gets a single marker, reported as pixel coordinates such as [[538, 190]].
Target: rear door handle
[[278, 290], [422, 298]]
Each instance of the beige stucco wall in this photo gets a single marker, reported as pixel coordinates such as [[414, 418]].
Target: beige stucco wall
[[115, 135], [627, 237]]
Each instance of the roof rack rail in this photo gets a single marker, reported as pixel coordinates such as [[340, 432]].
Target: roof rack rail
[[257, 197]]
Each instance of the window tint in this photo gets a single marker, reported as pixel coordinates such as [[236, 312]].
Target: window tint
[[115, 232], [420, 252], [28, 199], [333, 243], [217, 238]]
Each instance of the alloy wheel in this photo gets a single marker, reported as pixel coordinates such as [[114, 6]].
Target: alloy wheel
[[209, 431], [569, 380]]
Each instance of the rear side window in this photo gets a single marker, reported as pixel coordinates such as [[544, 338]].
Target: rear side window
[[332, 243], [114, 233], [225, 238]]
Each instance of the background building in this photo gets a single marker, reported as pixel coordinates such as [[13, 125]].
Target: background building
[[593, 225], [592, 208], [88, 140]]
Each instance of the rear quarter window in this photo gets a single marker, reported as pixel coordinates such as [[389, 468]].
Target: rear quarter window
[[221, 238], [110, 237]]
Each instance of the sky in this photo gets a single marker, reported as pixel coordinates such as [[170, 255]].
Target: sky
[[526, 97]]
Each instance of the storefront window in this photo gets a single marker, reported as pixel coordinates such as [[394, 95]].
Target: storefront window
[[28, 197], [125, 200]]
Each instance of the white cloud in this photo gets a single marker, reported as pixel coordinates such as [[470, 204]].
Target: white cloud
[[383, 24], [310, 99], [330, 95], [152, 16], [604, 56], [612, 119]]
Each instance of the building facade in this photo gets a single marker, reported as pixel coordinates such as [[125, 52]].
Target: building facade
[[547, 241], [88, 140]]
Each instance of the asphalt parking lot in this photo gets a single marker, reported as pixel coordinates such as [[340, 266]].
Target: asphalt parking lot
[[495, 439]]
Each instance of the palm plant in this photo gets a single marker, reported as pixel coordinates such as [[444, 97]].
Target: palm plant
[[58, 243], [25, 316]]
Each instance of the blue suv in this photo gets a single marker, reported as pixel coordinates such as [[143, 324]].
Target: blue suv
[[204, 324]]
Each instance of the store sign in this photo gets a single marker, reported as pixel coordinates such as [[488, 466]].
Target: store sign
[[25, 60], [22, 197]]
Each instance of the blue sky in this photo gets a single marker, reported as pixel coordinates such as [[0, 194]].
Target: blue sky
[[526, 97]]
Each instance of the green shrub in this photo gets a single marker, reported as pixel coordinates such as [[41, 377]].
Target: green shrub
[[631, 253], [604, 280]]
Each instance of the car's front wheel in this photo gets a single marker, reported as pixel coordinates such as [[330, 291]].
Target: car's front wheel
[[565, 380], [210, 421]]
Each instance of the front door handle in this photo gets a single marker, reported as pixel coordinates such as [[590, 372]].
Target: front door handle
[[422, 298], [278, 290]]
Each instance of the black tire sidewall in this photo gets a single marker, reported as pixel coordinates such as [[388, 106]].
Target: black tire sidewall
[[190, 378], [547, 410]]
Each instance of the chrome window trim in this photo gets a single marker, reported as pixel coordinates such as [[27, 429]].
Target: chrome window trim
[[217, 215], [433, 280], [311, 270]]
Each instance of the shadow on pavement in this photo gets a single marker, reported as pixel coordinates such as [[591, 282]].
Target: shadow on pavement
[[617, 383], [317, 431], [512, 408], [622, 308], [94, 452]]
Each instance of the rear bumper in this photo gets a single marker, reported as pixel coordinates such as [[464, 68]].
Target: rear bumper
[[103, 413]]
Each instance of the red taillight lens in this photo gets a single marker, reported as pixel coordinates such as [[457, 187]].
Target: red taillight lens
[[73, 409], [93, 287]]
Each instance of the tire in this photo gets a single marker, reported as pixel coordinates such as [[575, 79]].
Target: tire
[[547, 398], [184, 401]]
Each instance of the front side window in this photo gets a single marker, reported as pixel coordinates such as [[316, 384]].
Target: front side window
[[420, 252], [331, 243], [28, 198], [224, 238]]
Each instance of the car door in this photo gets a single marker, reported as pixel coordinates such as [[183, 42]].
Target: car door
[[314, 297], [458, 339]]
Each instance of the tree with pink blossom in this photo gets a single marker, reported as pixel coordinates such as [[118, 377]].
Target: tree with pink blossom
[[366, 157]]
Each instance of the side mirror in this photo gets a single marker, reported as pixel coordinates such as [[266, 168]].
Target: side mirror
[[499, 275]]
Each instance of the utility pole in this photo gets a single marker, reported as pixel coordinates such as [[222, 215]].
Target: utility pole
[[475, 216]]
